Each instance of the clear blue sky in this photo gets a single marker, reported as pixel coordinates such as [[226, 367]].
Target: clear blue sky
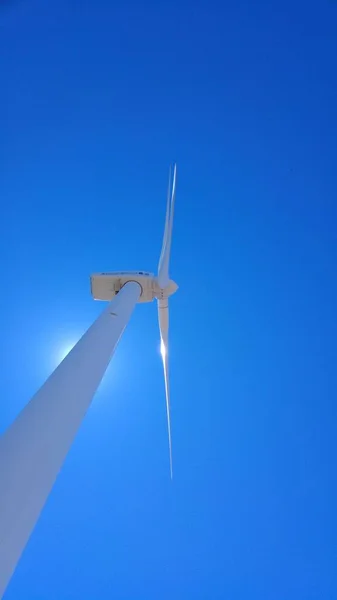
[[97, 98]]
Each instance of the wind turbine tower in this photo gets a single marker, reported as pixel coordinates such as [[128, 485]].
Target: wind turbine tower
[[35, 445]]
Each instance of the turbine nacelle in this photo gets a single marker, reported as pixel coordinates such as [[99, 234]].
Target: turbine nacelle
[[105, 286]]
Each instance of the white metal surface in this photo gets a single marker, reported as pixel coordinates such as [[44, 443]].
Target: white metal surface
[[33, 448], [164, 260], [105, 286], [164, 284], [163, 318]]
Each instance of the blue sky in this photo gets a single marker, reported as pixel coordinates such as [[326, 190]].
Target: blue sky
[[97, 99]]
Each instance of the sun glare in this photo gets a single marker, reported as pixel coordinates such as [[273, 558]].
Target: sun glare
[[162, 349], [64, 350]]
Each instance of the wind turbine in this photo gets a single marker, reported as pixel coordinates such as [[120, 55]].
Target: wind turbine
[[35, 445]]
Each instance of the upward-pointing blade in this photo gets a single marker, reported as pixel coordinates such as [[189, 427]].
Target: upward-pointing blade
[[163, 317], [163, 267]]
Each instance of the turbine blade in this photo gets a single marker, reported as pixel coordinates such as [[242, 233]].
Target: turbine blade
[[163, 267], [163, 317], [167, 216]]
